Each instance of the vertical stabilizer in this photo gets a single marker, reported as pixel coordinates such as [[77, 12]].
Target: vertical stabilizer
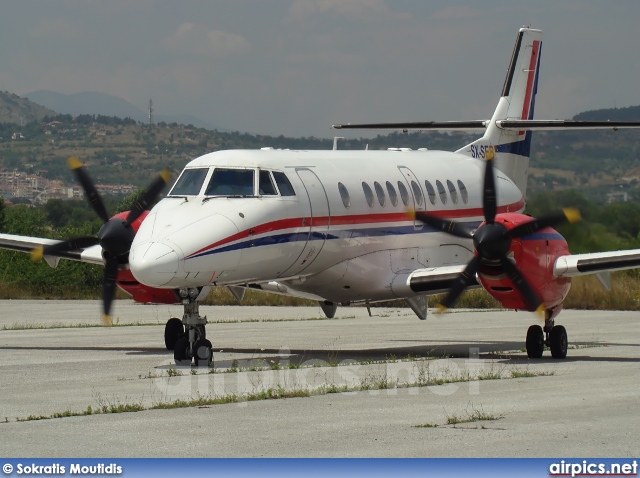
[[512, 148]]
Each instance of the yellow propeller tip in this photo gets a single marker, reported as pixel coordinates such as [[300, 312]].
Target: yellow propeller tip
[[441, 309], [165, 174], [411, 214], [490, 153], [572, 215], [106, 320], [540, 311], [37, 253], [74, 162]]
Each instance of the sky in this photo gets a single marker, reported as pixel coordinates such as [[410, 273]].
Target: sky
[[294, 67]]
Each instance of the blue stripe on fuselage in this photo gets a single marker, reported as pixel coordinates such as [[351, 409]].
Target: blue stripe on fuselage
[[316, 236]]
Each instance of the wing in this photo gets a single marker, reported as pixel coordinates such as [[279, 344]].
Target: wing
[[92, 255], [436, 280], [596, 262]]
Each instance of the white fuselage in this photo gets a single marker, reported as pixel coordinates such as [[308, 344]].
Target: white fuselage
[[328, 241]]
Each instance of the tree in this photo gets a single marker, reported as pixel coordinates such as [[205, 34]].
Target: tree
[[2, 208]]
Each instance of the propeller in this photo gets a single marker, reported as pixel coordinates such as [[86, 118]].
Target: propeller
[[492, 242], [115, 236]]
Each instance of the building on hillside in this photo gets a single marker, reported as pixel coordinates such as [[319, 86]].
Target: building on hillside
[[618, 196]]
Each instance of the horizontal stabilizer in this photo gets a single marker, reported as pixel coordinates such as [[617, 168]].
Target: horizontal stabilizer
[[509, 125], [437, 125], [545, 125]]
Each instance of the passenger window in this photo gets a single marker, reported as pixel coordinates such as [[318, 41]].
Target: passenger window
[[285, 187], [344, 194], [380, 193], [452, 192], [266, 187], [393, 196], [417, 192], [190, 182], [404, 194], [431, 192], [231, 182], [441, 192], [463, 192], [368, 193]]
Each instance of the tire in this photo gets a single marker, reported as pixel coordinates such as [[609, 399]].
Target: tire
[[203, 353], [173, 331], [181, 352], [535, 342], [559, 342]]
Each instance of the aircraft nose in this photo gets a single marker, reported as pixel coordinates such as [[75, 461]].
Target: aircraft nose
[[153, 263]]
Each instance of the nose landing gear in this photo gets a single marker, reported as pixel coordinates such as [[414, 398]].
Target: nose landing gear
[[187, 337]]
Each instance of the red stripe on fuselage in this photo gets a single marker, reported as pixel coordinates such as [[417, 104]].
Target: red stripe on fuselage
[[359, 219]]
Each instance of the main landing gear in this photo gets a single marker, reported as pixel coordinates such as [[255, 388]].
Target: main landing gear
[[187, 337], [553, 336]]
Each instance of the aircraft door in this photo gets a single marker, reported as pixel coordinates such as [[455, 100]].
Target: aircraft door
[[415, 192], [318, 223]]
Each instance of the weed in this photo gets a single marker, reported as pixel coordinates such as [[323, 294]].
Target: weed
[[173, 372], [274, 365], [526, 373], [472, 414]]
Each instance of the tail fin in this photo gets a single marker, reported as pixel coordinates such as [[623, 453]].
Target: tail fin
[[511, 148]]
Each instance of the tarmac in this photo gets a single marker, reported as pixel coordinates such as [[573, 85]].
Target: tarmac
[[456, 385]]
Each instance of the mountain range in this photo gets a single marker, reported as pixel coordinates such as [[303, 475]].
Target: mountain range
[[92, 102]]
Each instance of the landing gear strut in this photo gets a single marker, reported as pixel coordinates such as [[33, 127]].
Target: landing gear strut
[[553, 336], [187, 337]]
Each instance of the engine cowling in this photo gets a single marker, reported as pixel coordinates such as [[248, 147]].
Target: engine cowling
[[534, 255]]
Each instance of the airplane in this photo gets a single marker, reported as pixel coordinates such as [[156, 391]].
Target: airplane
[[348, 227]]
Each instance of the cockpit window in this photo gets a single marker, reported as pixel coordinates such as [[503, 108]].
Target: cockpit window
[[285, 187], [266, 187], [231, 182], [190, 182]]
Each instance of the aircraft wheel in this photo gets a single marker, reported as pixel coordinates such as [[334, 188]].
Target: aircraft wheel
[[203, 353], [559, 343], [173, 330], [535, 342], [181, 352]]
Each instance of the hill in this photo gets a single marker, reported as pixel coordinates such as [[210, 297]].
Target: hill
[[123, 152], [630, 113], [94, 103], [14, 109]]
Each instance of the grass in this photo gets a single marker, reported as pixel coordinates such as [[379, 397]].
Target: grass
[[472, 414], [373, 380], [586, 293], [526, 373]]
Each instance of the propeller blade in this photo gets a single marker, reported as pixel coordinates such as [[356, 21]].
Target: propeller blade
[[109, 286], [74, 244], [489, 201], [465, 278], [149, 196], [89, 188], [450, 227], [530, 297], [548, 220]]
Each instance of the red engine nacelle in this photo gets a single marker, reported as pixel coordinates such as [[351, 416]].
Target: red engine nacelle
[[534, 255], [140, 292]]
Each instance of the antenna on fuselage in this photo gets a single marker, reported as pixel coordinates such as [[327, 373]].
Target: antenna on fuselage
[[335, 142]]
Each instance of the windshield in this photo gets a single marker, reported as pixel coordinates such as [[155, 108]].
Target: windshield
[[231, 182], [189, 183]]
